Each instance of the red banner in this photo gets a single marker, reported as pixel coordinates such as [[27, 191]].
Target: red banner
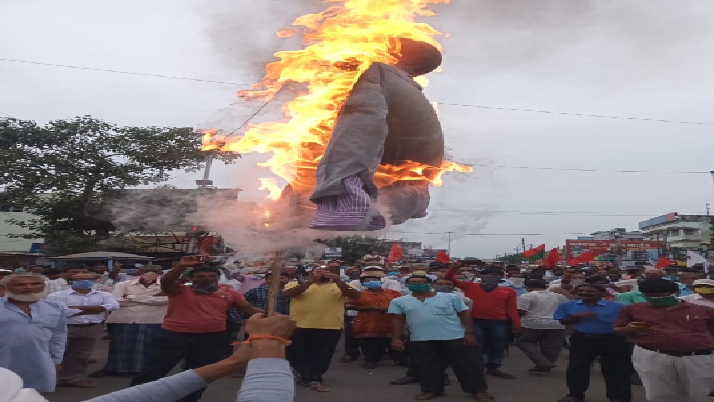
[[576, 247]]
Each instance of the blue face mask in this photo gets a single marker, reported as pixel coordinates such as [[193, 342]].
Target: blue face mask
[[372, 285], [83, 284], [393, 273]]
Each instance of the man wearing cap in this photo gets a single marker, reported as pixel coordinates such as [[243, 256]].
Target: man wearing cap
[[703, 293], [674, 352]]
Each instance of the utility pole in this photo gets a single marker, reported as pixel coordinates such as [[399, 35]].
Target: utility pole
[[449, 233], [202, 184], [707, 206]]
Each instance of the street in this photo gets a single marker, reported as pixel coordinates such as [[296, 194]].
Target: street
[[351, 383]]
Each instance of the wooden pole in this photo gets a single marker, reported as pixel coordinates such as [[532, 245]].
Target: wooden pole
[[275, 284]]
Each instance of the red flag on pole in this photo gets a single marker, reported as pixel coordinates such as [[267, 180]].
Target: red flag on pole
[[535, 252], [395, 254], [663, 262], [552, 259], [583, 258], [442, 257]]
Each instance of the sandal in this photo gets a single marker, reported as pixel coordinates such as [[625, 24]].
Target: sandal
[[76, 384], [318, 387], [425, 396], [483, 397], [404, 381], [347, 359]]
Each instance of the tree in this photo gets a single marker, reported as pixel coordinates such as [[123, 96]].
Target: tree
[[355, 247], [66, 172]]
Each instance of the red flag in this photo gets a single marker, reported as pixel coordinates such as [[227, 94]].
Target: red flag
[[442, 257], [395, 254], [663, 262], [532, 252], [552, 259], [583, 258]]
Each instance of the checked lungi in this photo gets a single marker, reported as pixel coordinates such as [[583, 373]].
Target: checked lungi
[[128, 345]]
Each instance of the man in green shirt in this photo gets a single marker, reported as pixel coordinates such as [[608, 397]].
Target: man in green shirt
[[630, 298]]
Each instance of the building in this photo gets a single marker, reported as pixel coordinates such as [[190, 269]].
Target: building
[[613, 234], [690, 232], [9, 244]]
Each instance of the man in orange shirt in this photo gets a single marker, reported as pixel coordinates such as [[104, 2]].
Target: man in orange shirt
[[194, 329], [494, 313]]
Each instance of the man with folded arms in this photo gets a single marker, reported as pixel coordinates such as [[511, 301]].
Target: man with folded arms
[[674, 352]]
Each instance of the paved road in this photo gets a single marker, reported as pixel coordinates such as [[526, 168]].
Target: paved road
[[351, 383]]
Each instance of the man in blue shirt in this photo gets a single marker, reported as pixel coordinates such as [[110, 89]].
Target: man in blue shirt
[[685, 279], [440, 333], [593, 319]]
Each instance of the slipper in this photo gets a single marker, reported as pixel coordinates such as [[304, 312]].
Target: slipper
[[318, 387], [346, 359]]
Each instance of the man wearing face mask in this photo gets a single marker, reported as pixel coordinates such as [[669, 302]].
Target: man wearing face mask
[[136, 323], [494, 313], [84, 309], [516, 281], [674, 352], [194, 329], [542, 336], [318, 307], [440, 333], [703, 293], [372, 326]]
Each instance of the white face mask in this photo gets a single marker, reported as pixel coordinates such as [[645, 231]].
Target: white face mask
[[517, 282]]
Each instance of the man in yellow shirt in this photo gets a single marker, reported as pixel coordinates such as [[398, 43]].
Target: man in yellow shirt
[[318, 307]]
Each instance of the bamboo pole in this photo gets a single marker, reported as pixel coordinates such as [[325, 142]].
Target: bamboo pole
[[274, 290]]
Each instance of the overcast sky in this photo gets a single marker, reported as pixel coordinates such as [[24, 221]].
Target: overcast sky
[[637, 58]]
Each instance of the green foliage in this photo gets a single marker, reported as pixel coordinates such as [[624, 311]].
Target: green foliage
[[355, 247], [512, 259], [66, 171]]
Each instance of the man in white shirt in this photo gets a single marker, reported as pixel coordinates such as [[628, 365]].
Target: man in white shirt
[[61, 283], [703, 293], [135, 325], [84, 308], [541, 337]]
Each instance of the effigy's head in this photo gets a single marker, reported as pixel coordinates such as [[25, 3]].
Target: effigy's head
[[417, 58]]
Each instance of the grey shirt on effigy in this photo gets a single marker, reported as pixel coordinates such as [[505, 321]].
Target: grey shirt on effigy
[[388, 120], [266, 380]]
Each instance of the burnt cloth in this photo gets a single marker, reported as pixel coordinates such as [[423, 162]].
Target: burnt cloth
[[388, 120]]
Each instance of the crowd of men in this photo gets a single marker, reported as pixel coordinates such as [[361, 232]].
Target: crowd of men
[[647, 327]]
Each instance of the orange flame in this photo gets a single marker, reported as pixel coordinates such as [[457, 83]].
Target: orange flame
[[341, 43]]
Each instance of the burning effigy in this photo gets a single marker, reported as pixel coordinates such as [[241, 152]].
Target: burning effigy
[[359, 131]]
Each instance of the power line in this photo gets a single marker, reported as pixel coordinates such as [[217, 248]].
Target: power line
[[440, 103], [579, 114], [589, 170], [490, 234], [104, 70], [257, 111], [555, 213]]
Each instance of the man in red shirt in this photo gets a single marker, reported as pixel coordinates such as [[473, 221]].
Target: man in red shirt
[[194, 329], [494, 313], [674, 352]]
